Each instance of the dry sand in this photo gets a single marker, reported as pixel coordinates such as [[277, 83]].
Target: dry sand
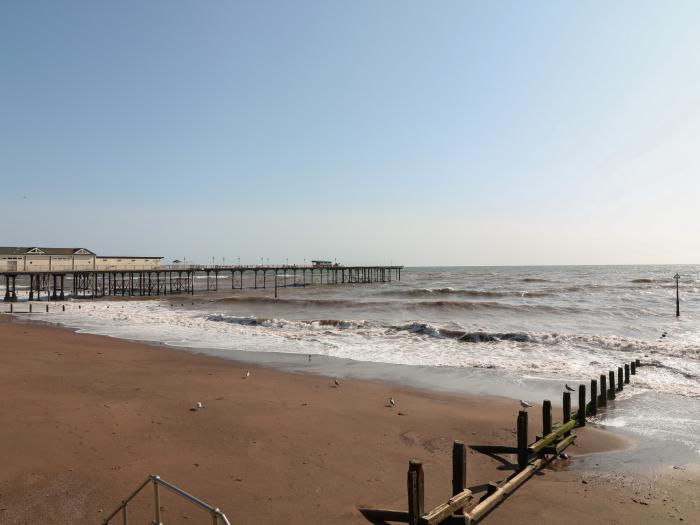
[[86, 418]]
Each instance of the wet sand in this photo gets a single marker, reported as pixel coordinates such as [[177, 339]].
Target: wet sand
[[86, 418]]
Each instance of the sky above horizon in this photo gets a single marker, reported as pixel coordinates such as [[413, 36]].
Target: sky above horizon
[[445, 133]]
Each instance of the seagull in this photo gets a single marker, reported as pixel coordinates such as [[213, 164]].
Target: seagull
[[525, 404], [247, 374], [337, 383], [197, 406], [392, 402], [568, 388]]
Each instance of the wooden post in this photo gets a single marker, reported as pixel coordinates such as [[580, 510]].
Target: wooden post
[[603, 390], [416, 499], [567, 410], [633, 368], [611, 379], [593, 409], [522, 439], [11, 309], [30, 307], [620, 381], [627, 374], [637, 363], [582, 405], [546, 417], [459, 469]]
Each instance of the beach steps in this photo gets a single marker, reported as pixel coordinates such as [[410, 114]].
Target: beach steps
[[217, 517]]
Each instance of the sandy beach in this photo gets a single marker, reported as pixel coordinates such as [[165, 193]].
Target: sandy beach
[[86, 418]]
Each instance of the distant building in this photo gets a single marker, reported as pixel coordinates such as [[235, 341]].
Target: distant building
[[322, 264], [37, 259]]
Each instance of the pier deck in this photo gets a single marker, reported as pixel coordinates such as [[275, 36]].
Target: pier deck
[[164, 280]]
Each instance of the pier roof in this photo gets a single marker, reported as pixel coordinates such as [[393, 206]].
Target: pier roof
[[36, 250]]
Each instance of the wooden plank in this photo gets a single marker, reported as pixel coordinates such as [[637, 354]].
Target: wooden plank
[[504, 490], [548, 440], [556, 449], [444, 510]]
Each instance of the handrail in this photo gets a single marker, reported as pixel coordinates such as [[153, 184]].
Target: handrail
[[216, 514]]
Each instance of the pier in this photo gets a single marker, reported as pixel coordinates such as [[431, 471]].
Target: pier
[[180, 279]]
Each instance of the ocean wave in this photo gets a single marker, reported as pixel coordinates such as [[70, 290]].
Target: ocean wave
[[642, 281], [451, 292]]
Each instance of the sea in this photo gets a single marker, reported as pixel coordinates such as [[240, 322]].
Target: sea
[[519, 332]]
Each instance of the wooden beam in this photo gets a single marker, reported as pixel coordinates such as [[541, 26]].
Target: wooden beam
[[538, 445], [444, 510]]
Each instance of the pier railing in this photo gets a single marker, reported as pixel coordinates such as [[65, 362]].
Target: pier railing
[[554, 439], [218, 517]]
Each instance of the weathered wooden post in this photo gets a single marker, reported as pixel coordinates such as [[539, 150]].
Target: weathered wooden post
[[47, 308], [611, 380], [611, 390], [627, 374], [11, 309], [638, 363], [678, 298], [546, 417], [522, 439], [459, 469], [603, 390], [620, 381], [416, 496], [633, 368], [567, 410], [30, 307], [63, 307], [581, 405], [593, 408]]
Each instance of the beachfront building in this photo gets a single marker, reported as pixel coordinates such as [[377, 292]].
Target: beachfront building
[[36, 259]]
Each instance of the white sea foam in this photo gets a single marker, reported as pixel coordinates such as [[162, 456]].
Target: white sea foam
[[540, 355]]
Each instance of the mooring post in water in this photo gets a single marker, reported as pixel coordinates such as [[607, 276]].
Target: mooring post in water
[[627, 374], [582, 405], [620, 381], [567, 410], [637, 363], [603, 390], [416, 498], [522, 439], [633, 368], [611, 380], [593, 408], [678, 298], [546, 417]]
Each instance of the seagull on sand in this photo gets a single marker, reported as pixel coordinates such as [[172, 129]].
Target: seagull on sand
[[568, 388], [525, 404], [392, 403], [199, 405], [337, 383], [247, 374]]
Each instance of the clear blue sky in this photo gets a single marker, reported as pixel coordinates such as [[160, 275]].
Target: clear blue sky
[[414, 132]]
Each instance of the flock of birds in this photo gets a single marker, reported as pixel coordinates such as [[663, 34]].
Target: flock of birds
[[336, 383]]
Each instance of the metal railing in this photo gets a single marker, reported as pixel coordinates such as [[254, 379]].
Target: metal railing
[[218, 517]]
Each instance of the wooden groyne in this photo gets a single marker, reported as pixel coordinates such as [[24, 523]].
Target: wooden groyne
[[550, 443], [54, 286]]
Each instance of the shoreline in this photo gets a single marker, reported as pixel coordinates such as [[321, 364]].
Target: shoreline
[[91, 416]]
